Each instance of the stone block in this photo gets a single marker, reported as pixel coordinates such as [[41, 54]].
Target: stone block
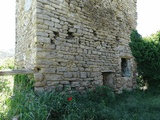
[[72, 30], [75, 84], [65, 82], [40, 84], [53, 77], [67, 74], [48, 70], [58, 25], [49, 23], [83, 74], [61, 69], [42, 16], [38, 77], [42, 34], [43, 1], [42, 26], [55, 20], [84, 84], [43, 40]]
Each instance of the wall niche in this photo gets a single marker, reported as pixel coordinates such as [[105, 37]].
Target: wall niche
[[125, 67]]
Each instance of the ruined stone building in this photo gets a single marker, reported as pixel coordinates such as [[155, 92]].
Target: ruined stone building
[[76, 44]]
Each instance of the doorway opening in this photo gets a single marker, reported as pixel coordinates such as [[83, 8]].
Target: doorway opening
[[108, 79]]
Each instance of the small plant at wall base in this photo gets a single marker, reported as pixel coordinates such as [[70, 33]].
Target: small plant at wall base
[[147, 56], [24, 81]]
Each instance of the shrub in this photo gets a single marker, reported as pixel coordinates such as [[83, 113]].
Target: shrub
[[147, 55]]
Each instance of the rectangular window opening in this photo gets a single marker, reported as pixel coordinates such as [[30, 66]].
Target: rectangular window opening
[[125, 67]]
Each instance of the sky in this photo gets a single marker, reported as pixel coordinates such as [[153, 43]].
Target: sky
[[7, 24], [148, 17], [148, 20]]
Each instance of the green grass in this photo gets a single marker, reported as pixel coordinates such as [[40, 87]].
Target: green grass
[[98, 104], [138, 105]]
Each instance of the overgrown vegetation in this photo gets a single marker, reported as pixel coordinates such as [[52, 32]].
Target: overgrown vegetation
[[147, 56], [50, 105], [98, 104], [6, 86]]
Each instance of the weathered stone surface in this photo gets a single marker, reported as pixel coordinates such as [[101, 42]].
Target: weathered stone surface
[[38, 76], [67, 74], [75, 84], [40, 84], [53, 77], [76, 44], [83, 74], [64, 82]]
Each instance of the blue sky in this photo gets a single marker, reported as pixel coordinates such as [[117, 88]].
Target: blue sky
[[148, 20]]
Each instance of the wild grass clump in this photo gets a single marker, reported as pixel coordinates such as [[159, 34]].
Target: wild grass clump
[[53, 105]]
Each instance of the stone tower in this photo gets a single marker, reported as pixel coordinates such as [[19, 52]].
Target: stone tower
[[76, 44]]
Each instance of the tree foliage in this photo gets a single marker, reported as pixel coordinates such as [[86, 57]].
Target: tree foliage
[[147, 55]]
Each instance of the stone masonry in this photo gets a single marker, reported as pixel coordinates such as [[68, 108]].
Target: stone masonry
[[76, 44]]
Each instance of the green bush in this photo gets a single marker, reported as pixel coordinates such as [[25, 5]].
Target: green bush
[[147, 56]]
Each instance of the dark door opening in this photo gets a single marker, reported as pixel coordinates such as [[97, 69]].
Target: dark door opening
[[108, 79]]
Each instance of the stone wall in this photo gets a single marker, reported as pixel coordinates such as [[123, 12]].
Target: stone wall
[[76, 44], [25, 34]]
